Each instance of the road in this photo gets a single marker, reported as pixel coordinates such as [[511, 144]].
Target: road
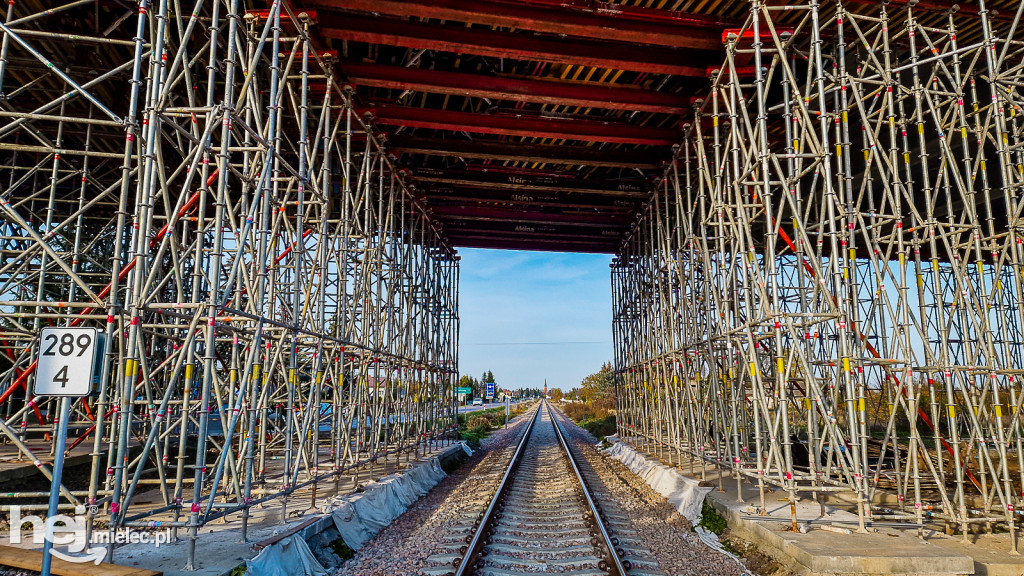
[[464, 409]]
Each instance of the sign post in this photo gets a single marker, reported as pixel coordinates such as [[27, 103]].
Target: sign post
[[490, 390], [69, 360], [507, 406], [58, 470]]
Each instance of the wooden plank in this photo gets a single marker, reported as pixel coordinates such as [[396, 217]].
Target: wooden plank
[[33, 560], [282, 535]]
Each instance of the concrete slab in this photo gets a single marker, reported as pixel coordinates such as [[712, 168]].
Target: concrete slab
[[824, 552], [15, 465], [990, 554], [220, 547], [828, 542]]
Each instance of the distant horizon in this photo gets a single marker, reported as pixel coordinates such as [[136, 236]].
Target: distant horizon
[[527, 316]]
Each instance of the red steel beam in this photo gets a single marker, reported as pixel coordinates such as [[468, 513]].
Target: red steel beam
[[531, 181], [553, 231], [516, 89], [484, 240], [524, 125], [422, 35], [620, 11], [505, 226], [748, 34], [547, 229], [930, 5], [549, 19], [462, 195], [496, 214], [491, 150]]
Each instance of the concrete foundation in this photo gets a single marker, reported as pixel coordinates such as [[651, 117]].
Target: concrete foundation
[[220, 549], [827, 541]]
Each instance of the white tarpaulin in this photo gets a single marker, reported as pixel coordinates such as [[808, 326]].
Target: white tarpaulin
[[289, 557], [362, 515], [684, 493], [351, 530]]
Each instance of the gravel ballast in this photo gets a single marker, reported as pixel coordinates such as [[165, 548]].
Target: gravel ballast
[[665, 532], [427, 538], [428, 528]]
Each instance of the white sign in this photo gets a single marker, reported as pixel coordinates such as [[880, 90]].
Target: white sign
[[68, 361]]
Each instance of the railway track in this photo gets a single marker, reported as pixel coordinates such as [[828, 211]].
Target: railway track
[[544, 518]]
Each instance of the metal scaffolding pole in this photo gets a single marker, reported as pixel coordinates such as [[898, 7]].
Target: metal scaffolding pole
[[823, 294], [280, 308]]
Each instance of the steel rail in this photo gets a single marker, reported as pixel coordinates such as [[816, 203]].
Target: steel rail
[[476, 545], [615, 567]]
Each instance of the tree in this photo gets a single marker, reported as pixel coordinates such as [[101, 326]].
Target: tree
[[556, 394], [599, 385], [479, 386], [467, 381]]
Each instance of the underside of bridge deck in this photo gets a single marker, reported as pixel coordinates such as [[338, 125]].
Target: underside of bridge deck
[[528, 125], [814, 211]]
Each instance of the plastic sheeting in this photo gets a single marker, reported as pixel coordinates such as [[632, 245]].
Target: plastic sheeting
[[711, 540], [289, 557], [362, 515], [684, 493], [358, 517]]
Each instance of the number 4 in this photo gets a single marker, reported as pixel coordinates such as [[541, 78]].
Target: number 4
[[61, 376]]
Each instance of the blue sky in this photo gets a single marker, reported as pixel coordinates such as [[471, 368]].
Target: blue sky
[[527, 316]]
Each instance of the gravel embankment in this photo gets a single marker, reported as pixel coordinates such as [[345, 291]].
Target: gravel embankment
[[659, 525], [543, 527], [426, 539], [426, 529]]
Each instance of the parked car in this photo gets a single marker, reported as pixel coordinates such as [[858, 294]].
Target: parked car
[[478, 401]]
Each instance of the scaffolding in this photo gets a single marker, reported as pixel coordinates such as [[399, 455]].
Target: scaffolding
[[279, 307], [823, 296]]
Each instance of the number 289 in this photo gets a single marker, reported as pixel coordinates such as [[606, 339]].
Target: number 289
[[66, 344]]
